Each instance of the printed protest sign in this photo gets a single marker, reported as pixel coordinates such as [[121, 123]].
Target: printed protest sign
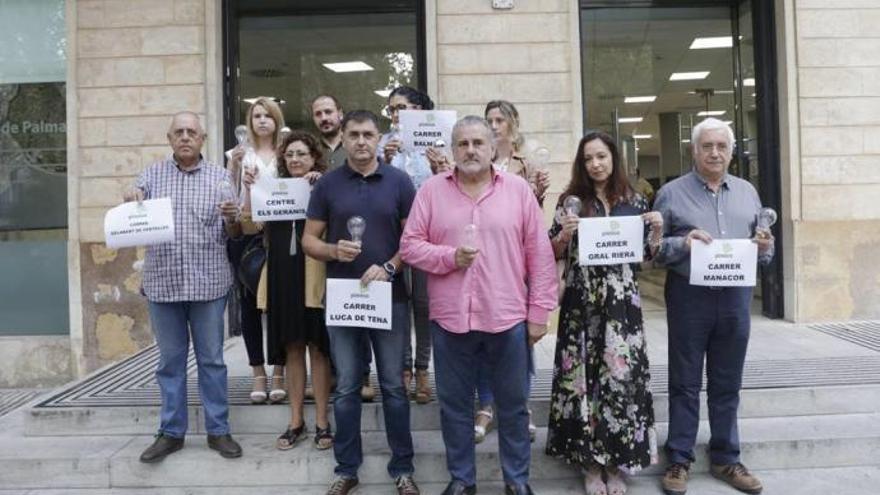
[[349, 304], [279, 199], [420, 129], [139, 223], [611, 240], [724, 263]]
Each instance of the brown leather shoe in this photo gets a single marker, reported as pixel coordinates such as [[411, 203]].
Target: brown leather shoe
[[406, 485], [737, 476], [342, 486], [675, 480], [423, 387]]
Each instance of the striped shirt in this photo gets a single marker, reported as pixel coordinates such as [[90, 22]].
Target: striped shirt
[[194, 267]]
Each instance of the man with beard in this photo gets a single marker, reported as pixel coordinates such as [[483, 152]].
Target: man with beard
[[327, 115], [492, 285]]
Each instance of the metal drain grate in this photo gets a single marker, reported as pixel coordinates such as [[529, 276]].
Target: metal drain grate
[[12, 399], [862, 333], [132, 383]]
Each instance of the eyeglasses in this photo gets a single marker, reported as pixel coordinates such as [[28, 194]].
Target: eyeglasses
[[188, 132], [297, 154], [397, 108]]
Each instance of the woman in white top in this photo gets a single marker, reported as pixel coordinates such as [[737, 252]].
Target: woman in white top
[[264, 122]]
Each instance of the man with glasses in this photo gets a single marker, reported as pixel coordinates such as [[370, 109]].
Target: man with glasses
[[186, 283], [382, 196], [707, 323]]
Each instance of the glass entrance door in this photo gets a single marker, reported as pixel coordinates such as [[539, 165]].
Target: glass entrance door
[[651, 73], [296, 50]]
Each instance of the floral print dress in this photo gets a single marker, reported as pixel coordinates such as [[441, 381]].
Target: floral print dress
[[601, 409]]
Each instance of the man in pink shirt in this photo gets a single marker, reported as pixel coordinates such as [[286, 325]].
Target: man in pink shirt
[[492, 282]]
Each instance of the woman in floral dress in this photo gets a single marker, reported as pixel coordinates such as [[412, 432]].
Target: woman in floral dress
[[601, 411]]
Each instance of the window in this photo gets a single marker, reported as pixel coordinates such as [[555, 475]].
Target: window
[[33, 168]]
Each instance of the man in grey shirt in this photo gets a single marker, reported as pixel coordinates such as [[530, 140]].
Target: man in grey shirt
[[710, 323]]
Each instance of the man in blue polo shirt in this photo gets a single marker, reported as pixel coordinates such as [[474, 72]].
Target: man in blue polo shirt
[[382, 195]]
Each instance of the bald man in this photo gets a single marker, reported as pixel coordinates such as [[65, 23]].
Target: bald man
[[186, 283]]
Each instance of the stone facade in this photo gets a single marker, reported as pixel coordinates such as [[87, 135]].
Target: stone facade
[[834, 100], [135, 62]]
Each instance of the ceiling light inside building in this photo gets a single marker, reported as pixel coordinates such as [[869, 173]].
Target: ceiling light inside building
[[250, 101], [630, 120], [712, 42], [356, 66], [711, 113], [642, 136], [689, 76], [749, 82], [384, 93], [639, 99]]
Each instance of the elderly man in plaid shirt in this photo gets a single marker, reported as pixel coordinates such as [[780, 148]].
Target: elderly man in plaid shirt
[[186, 283]]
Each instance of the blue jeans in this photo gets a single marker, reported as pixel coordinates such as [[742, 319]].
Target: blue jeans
[[484, 389], [347, 349], [711, 323], [456, 366], [172, 324]]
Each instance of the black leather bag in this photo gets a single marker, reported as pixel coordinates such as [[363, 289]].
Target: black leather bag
[[251, 264]]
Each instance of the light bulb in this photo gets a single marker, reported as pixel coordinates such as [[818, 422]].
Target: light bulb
[[469, 236], [541, 157], [767, 218], [356, 226], [572, 206], [241, 134]]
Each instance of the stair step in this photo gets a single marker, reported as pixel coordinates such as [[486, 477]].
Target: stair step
[[798, 442], [143, 420]]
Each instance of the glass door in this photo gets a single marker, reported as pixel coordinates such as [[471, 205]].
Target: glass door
[[651, 73]]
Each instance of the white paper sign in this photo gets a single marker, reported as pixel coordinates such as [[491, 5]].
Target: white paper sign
[[724, 263], [141, 223], [279, 199], [351, 305], [420, 129], [611, 240]]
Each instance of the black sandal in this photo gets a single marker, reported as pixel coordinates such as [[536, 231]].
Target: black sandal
[[323, 434], [291, 437]]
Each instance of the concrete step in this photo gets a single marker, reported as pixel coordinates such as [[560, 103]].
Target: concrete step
[[143, 420], [797, 442], [862, 480]]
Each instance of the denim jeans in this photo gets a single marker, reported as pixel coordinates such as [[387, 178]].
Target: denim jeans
[[484, 389], [347, 349], [456, 366], [711, 323], [172, 325]]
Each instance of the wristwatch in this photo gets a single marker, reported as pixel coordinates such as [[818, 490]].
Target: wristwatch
[[390, 269]]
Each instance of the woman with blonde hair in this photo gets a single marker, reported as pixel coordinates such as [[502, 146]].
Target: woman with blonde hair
[[264, 121]]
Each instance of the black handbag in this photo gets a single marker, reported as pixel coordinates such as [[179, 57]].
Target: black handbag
[[250, 267]]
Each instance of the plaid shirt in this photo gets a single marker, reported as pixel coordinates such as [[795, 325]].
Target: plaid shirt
[[194, 267]]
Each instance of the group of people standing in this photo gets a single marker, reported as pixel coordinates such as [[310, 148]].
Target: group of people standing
[[460, 236]]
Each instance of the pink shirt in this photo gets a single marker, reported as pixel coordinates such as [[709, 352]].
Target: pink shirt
[[513, 277]]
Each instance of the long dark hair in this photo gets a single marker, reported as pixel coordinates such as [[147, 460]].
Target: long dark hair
[[581, 185], [310, 142]]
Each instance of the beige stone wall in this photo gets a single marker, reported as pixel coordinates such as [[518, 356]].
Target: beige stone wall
[[529, 55], [834, 177], [134, 64]]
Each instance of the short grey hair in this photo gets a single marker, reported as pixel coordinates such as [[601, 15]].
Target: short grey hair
[[712, 124], [469, 120]]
